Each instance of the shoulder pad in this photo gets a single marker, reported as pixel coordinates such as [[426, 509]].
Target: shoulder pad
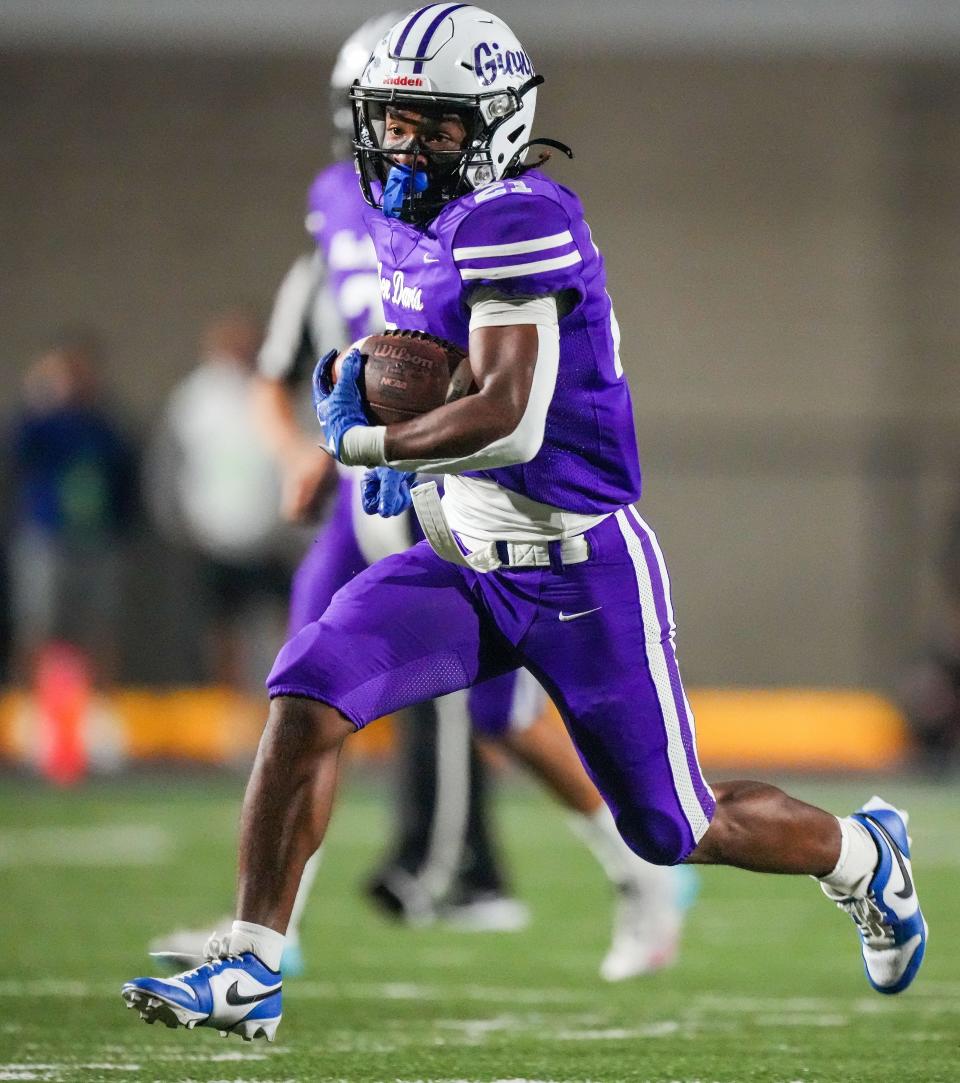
[[520, 235]]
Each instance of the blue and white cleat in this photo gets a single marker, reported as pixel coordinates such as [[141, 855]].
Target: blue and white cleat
[[893, 932], [235, 994]]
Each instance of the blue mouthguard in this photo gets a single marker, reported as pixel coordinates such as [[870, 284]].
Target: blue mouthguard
[[401, 180]]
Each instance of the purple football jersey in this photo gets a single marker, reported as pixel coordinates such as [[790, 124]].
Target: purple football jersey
[[528, 237], [336, 218]]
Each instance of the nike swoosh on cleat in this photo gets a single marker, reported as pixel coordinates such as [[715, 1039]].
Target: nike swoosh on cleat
[[583, 613], [907, 882], [234, 999]]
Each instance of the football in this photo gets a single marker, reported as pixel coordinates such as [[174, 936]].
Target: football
[[408, 373]]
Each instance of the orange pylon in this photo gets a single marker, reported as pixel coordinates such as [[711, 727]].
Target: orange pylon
[[63, 690]]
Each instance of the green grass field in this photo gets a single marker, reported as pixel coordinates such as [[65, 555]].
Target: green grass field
[[769, 986]]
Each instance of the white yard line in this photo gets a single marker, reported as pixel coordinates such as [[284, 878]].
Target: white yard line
[[803, 1020], [719, 1003], [323, 990], [109, 845], [107, 1066], [233, 1056], [665, 1029], [511, 1080], [46, 987], [235, 1079], [30, 1071], [52, 1072]]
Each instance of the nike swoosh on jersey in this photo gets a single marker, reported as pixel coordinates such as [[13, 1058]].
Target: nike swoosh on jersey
[[431, 259], [583, 613], [907, 882], [235, 999]]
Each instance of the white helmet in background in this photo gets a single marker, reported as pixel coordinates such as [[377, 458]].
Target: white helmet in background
[[439, 60], [350, 62]]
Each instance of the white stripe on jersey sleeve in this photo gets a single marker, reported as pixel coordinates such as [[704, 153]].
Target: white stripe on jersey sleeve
[[518, 270], [515, 248]]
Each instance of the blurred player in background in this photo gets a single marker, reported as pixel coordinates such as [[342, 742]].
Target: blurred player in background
[[442, 863], [213, 487], [74, 500], [73, 495]]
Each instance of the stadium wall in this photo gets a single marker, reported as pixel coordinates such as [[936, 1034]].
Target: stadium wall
[[784, 253]]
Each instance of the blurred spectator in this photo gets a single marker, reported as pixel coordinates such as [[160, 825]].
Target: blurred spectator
[[72, 482], [213, 487], [931, 690]]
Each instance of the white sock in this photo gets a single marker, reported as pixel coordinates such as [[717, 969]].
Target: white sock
[[303, 893], [622, 866], [857, 862], [266, 944]]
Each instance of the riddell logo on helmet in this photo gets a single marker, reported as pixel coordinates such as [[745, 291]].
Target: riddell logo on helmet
[[405, 80]]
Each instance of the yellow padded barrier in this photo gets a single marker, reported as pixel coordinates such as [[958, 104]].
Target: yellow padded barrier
[[791, 728], [801, 728]]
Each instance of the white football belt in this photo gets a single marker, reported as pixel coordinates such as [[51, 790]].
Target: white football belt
[[436, 529]]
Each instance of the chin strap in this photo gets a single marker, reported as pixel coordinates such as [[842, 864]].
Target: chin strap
[[514, 169]]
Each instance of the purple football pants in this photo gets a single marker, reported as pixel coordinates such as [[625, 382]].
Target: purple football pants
[[597, 635], [335, 559]]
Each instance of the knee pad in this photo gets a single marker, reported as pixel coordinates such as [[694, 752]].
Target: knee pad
[[655, 836]]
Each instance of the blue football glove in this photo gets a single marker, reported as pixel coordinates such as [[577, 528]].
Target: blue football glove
[[386, 492], [339, 407]]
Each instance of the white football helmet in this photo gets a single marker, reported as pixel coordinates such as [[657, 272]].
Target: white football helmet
[[439, 60], [350, 62]]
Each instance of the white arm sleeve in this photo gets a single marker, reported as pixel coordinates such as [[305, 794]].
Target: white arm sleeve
[[290, 316], [521, 445]]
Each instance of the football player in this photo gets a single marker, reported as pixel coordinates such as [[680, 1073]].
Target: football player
[[443, 849], [535, 557], [442, 864]]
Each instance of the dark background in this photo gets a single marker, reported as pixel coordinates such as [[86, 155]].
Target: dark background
[[781, 222]]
